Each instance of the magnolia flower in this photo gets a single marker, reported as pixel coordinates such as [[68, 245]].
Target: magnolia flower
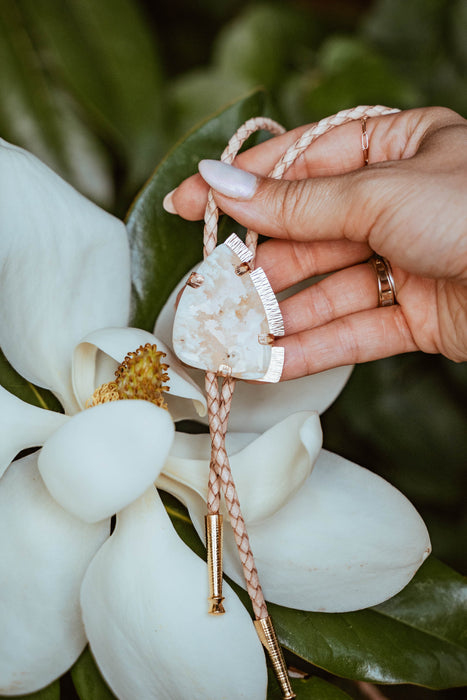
[[65, 292], [344, 536]]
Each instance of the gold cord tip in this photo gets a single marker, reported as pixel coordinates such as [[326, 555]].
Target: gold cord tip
[[216, 606], [267, 635], [213, 523]]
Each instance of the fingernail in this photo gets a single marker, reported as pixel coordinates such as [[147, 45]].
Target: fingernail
[[168, 204], [228, 180]]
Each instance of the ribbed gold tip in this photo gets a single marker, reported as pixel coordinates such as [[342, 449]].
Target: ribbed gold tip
[[216, 606], [267, 634], [213, 525]]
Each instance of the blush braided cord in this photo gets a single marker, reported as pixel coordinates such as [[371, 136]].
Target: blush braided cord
[[306, 139], [220, 476]]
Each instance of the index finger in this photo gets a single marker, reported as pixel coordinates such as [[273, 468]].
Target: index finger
[[336, 152]]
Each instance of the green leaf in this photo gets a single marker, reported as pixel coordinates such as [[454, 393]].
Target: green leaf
[[410, 31], [264, 42], [51, 692], [105, 54], [310, 689], [418, 637], [37, 114], [163, 246], [17, 385], [350, 72], [87, 679], [194, 96]]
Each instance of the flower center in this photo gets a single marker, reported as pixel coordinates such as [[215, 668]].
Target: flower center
[[141, 375]]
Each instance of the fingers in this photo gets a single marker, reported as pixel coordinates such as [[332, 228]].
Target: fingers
[[287, 262], [325, 208], [361, 337], [328, 156], [338, 151], [342, 293]]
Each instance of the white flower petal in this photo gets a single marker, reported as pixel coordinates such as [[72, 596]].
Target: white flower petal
[[106, 457], [347, 540], [267, 471], [116, 343], [44, 552], [22, 426], [257, 407], [145, 612], [65, 271]]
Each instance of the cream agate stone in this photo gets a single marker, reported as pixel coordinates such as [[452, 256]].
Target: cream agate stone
[[228, 316]]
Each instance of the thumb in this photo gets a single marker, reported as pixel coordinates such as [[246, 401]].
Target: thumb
[[340, 206]]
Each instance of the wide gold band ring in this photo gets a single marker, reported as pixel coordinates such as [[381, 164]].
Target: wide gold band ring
[[385, 280]]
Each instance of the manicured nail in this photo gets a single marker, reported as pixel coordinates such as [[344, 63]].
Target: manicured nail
[[168, 203], [228, 180]]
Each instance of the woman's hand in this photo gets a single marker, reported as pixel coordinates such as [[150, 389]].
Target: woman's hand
[[409, 205]]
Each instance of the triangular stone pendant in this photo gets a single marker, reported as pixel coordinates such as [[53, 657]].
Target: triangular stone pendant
[[228, 316]]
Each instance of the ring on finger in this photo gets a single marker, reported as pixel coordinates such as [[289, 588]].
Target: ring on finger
[[385, 280]]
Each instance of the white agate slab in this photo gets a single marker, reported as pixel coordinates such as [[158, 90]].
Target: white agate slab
[[223, 324]]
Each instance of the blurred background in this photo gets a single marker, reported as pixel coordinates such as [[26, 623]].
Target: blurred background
[[102, 89]]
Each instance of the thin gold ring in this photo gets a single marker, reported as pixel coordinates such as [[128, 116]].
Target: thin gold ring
[[385, 279], [365, 142]]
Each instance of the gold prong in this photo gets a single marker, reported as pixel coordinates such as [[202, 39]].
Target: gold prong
[[213, 524], [267, 634], [195, 280], [242, 269], [266, 339], [224, 370]]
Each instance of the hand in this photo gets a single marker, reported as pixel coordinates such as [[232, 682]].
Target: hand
[[409, 205]]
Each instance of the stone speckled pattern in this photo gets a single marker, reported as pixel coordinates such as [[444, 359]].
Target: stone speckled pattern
[[218, 323]]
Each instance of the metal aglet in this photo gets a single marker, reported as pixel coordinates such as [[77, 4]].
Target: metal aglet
[[213, 524], [267, 635]]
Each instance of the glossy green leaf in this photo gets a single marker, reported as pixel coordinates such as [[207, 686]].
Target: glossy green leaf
[[51, 692], [309, 689], [419, 636], [163, 246], [87, 679], [17, 385]]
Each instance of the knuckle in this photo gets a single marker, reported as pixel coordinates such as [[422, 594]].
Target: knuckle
[[294, 205]]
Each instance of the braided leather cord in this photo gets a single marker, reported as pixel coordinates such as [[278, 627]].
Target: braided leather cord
[[220, 475]]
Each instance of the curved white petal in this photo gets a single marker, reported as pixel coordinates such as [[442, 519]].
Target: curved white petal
[[44, 552], [64, 271], [22, 426], [106, 457], [257, 407], [267, 471], [145, 612], [347, 540], [91, 366]]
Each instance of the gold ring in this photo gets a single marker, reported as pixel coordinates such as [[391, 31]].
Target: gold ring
[[386, 286], [365, 143]]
